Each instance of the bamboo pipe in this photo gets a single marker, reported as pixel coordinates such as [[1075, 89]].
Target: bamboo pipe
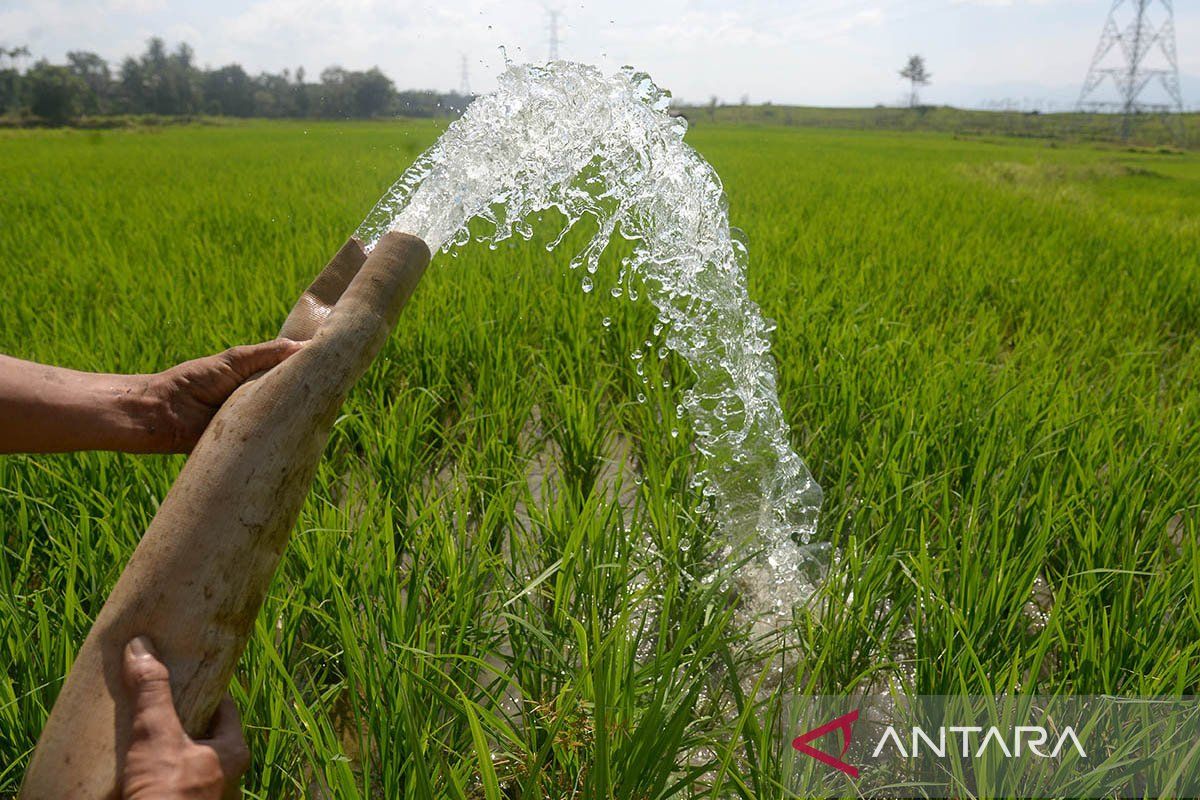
[[198, 577]]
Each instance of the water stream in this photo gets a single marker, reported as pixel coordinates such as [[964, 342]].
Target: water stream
[[565, 136]]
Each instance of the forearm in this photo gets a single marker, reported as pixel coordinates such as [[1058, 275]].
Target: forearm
[[47, 409]]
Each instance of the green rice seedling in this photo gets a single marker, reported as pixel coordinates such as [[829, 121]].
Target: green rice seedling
[[501, 584]]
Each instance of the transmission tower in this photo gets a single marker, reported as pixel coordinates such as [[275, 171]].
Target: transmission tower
[[1142, 34], [464, 87], [552, 17]]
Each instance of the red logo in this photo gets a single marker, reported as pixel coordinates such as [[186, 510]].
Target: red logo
[[845, 724]]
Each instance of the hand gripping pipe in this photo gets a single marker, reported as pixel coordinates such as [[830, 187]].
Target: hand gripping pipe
[[198, 577]]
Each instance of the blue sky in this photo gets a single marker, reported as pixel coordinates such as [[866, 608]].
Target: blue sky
[[819, 52]]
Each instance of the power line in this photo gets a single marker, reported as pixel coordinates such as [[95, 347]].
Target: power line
[[1149, 30]]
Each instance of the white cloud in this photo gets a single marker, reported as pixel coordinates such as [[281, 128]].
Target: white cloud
[[135, 6]]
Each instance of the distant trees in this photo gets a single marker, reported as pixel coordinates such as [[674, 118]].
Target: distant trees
[[10, 77], [10, 90], [917, 75], [54, 92], [160, 82], [95, 81], [372, 92], [228, 91], [168, 82], [14, 53]]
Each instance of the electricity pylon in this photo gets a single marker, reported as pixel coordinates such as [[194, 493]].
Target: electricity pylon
[[1142, 32], [553, 15]]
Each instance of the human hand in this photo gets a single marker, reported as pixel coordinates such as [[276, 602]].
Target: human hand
[[186, 397], [163, 762], [46, 409]]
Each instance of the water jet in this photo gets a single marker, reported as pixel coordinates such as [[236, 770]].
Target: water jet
[[604, 150]]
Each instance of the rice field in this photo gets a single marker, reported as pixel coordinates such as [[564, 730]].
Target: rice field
[[987, 351]]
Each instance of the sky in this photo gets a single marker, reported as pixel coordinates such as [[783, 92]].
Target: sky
[[809, 52]]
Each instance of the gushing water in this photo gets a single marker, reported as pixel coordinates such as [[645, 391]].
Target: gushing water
[[566, 137]]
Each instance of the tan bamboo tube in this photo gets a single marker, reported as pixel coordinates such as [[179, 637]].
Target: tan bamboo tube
[[198, 577]]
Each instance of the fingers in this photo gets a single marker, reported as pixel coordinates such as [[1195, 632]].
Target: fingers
[[341, 269], [161, 757], [226, 739], [320, 297], [250, 359], [149, 685]]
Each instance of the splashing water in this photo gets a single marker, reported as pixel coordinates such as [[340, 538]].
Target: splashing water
[[566, 137]]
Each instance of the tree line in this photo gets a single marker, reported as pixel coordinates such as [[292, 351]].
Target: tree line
[[169, 83]]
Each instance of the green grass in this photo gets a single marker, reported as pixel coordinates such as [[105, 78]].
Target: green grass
[[1145, 130], [987, 351]]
